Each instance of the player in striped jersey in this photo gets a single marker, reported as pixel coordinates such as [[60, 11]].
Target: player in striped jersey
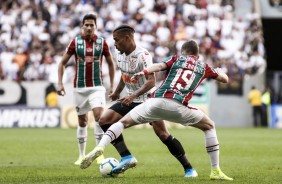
[[170, 102], [132, 59], [89, 92]]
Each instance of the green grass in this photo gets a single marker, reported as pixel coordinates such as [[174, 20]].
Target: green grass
[[251, 156]]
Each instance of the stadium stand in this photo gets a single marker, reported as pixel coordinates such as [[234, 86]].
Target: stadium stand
[[35, 33]]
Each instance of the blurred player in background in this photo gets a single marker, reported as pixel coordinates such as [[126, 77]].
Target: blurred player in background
[[170, 102], [255, 99], [132, 59], [89, 92]]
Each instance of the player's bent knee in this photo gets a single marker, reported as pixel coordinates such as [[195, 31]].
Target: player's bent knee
[[127, 124], [208, 125], [97, 119], [127, 121], [103, 120], [82, 120], [82, 123], [163, 135], [205, 124]]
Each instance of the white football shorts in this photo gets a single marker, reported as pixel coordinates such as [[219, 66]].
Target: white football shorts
[[88, 98], [166, 109]]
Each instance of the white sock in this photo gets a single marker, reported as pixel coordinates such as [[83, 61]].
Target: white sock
[[81, 135], [111, 134], [98, 132], [212, 147]]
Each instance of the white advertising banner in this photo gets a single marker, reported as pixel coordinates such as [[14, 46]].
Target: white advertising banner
[[25, 117]]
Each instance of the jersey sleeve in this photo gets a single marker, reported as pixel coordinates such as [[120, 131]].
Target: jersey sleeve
[[71, 48], [170, 60], [210, 72], [106, 50]]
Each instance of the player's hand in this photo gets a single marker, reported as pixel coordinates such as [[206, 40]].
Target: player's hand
[[136, 76], [113, 96], [128, 99], [111, 90], [61, 90]]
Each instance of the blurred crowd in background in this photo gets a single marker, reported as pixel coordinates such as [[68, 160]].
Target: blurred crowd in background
[[35, 33]]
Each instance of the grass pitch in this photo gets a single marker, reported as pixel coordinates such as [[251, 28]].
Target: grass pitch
[[250, 156]]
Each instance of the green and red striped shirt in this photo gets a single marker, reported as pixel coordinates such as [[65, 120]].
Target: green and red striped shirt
[[88, 60], [184, 75]]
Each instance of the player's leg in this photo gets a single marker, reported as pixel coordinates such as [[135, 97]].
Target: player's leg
[[111, 134], [109, 117], [82, 108], [112, 115], [176, 112], [136, 116], [97, 102], [174, 146], [81, 135], [255, 116], [212, 147], [98, 132]]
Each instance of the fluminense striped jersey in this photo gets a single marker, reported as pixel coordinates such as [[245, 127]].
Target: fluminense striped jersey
[[88, 60], [135, 62], [184, 75]]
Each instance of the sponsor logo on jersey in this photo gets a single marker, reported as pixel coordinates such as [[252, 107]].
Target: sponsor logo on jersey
[[79, 41], [89, 59], [89, 50], [176, 91], [98, 47], [127, 79], [132, 63]]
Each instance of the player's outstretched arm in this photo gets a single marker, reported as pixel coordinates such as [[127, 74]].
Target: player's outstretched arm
[[151, 69], [222, 77]]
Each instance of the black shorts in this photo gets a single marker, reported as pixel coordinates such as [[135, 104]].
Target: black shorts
[[123, 109]]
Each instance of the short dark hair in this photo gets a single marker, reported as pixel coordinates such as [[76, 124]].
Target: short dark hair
[[190, 47], [124, 27], [89, 16]]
